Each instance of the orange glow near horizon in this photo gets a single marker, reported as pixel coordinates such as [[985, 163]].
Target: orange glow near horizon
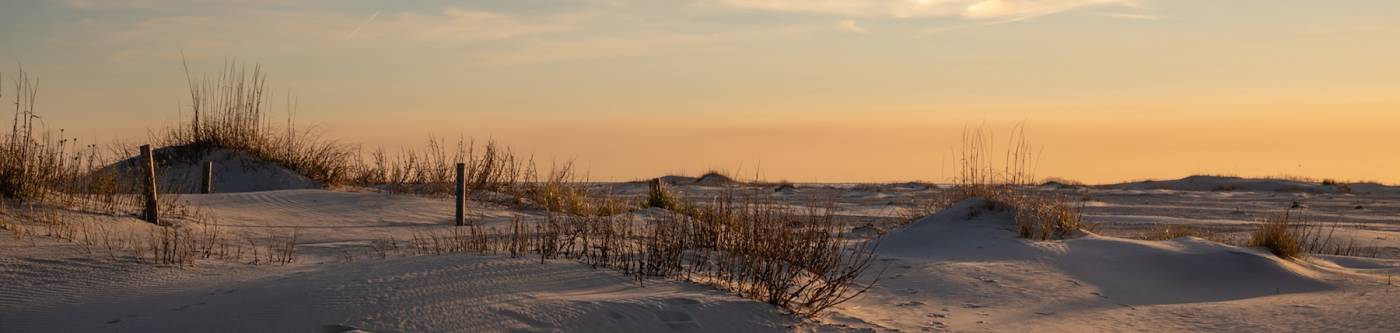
[[848, 91]]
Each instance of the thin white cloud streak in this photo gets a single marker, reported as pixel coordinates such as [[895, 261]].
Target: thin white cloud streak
[[506, 38], [158, 4], [972, 25], [1032, 8], [1131, 16], [852, 26], [456, 26], [969, 9], [479, 37], [362, 26]]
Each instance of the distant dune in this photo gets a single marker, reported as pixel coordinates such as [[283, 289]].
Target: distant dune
[[1224, 183]]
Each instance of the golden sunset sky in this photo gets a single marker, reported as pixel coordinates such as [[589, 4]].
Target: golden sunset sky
[[803, 90]]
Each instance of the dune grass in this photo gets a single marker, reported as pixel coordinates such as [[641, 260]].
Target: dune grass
[[53, 186], [800, 261], [31, 158], [1293, 234], [1006, 184], [40, 167], [659, 196], [196, 237], [228, 112], [1280, 236]]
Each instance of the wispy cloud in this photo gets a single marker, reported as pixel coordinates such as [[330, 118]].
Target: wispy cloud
[[361, 26], [473, 36], [1131, 16], [971, 25], [1031, 8], [459, 25], [970, 9], [582, 29], [157, 4], [852, 26]]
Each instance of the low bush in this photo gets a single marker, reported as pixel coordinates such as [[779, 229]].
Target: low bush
[[1040, 215], [660, 197], [799, 261], [1280, 236], [228, 113]]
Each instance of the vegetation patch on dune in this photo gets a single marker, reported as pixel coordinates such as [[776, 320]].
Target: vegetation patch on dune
[[1007, 184], [228, 112], [1293, 234]]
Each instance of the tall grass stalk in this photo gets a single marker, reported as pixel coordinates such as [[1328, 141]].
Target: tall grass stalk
[[228, 112], [1293, 234], [1006, 184]]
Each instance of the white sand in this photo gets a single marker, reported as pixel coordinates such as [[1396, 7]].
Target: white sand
[[234, 171], [953, 271], [416, 294], [946, 272]]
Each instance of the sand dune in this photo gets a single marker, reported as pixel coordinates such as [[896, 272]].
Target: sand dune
[[419, 294], [962, 269], [965, 269], [1224, 183], [181, 170]]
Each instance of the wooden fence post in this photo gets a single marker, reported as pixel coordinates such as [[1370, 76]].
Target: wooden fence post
[[208, 178], [152, 213], [461, 193]]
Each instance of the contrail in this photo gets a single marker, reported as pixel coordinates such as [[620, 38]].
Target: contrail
[[362, 26]]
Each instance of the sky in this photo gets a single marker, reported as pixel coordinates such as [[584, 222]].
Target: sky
[[800, 90]]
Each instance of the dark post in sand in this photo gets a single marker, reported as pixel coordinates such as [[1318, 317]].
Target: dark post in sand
[[152, 213], [461, 193], [208, 178]]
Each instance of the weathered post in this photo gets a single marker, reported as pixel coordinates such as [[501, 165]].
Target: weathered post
[[657, 186], [208, 178], [461, 193], [152, 213]]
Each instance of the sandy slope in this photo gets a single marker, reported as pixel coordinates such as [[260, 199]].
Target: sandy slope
[[964, 269], [417, 294], [342, 218], [54, 286], [180, 170], [952, 271]]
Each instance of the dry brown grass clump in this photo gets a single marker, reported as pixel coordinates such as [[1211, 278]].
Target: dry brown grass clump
[[228, 113], [797, 260], [32, 160], [661, 197], [1293, 234], [431, 171], [493, 171], [1280, 236], [43, 168], [195, 237], [1044, 216], [1040, 215]]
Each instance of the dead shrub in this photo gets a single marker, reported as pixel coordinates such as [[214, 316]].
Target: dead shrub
[[1040, 215], [661, 197], [1280, 236], [228, 113], [1044, 217], [1293, 234], [799, 261]]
